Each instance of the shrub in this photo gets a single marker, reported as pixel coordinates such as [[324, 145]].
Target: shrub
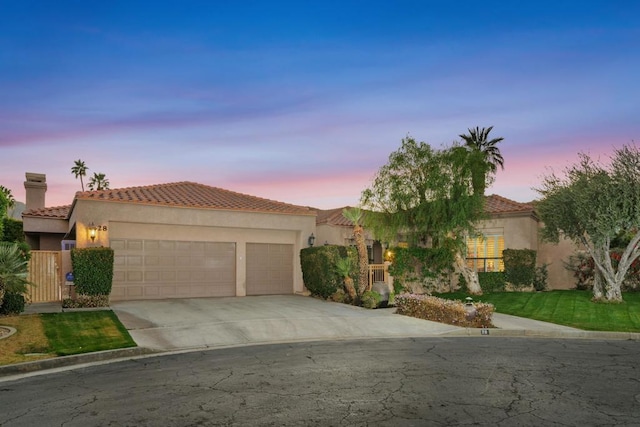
[[519, 267], [370, 299], [427, 267], [13, 230], [86, 301], [583, 268], [93, 270], [318, 268], [540, 278], [13, 270], [444, 311], [13, 303], [492, 281]]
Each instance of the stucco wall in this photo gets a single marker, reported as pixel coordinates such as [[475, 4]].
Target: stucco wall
[[122, 220]]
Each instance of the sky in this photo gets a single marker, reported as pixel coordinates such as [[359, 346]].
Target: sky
[[303, 101]]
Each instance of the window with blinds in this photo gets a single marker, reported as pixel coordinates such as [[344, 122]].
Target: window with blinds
[[485, 253]]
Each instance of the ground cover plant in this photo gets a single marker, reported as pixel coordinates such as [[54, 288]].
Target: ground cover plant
[[44, 336], [571, 308]]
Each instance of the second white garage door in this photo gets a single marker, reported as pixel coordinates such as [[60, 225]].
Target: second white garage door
[[155, 269], [269, 269]]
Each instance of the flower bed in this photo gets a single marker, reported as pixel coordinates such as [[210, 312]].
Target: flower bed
[[427, 307]]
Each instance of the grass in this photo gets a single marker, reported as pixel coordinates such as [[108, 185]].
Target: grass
[[569, 308], [44, 336]]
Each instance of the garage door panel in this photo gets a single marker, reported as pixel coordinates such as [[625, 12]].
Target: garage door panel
[[148, 269], [269, 269]]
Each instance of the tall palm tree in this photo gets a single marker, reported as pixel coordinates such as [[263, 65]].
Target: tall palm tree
[[79, 170], [355, 216], [490, 157], [98, 182]]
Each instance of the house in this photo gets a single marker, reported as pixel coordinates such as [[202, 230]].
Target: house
[[180, 239], [186, 239], [509, 225]]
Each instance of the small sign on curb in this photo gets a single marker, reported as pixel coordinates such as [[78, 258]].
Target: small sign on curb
[[484, 331]]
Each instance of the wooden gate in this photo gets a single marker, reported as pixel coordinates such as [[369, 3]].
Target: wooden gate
[[45, 272]]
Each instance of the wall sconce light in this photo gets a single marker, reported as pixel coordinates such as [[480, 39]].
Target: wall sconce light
[[92, 231], [312, 239]]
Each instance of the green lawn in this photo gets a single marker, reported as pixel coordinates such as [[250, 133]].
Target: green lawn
[[570, 308], [85, 332]]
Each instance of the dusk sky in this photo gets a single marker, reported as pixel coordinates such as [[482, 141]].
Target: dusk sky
[[303, 101]]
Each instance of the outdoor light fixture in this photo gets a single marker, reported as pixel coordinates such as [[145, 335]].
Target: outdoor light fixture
[[92, 231], [312, 239]]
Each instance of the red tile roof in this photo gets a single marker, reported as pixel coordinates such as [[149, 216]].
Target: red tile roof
[[193, 195], [495, 204], [333, 217], [61, 212]]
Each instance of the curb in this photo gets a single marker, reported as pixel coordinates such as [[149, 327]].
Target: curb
[[76, 359], [533, 333]]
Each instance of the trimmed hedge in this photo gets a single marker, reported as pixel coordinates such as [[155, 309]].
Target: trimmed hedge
[[318, 268], [92, 270], [451, 312], [519, 267]]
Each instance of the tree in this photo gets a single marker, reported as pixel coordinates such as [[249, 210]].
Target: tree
[[427, 195], [343, 267], [355, 215], [98, 182], [79, 170], [489, 156], [593, 204], [6, 200]]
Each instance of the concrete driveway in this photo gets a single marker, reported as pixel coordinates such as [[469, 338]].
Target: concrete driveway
[[178, 324]]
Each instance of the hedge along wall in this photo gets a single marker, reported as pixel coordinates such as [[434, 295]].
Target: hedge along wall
[[318, 268], [92, 270], [423, 266], [519, 267]]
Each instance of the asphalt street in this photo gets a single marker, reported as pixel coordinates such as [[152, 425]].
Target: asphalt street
[[435, 381]]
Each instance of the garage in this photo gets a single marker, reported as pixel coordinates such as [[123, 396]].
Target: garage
[[269, 269], [158, 269]]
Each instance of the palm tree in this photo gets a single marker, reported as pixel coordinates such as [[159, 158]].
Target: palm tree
[[490, 158], [343, 267], [79, 170], [98, 182], [355, 216]]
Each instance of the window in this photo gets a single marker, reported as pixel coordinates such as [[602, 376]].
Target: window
[[485, 253]]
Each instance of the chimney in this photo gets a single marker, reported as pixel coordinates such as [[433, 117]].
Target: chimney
[[36, 187]]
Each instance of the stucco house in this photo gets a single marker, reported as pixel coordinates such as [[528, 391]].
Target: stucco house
[[179, 239], [509, 225], [187, 239]]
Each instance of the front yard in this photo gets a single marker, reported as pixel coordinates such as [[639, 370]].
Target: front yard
[[44, 336], [569, 308]]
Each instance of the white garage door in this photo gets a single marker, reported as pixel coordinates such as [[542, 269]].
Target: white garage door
[[269, 269], [156, 269]]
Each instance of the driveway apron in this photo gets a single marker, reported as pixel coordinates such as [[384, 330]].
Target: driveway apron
[[178, 324]]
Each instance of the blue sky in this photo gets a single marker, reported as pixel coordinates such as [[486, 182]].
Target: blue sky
[[302, 102]]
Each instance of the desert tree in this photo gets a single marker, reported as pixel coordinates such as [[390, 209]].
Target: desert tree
[[427, 195], [592, 204]]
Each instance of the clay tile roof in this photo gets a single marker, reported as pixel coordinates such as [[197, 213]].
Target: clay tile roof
[[61, 212], [193, 195], [495, 204], [333, 217]]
